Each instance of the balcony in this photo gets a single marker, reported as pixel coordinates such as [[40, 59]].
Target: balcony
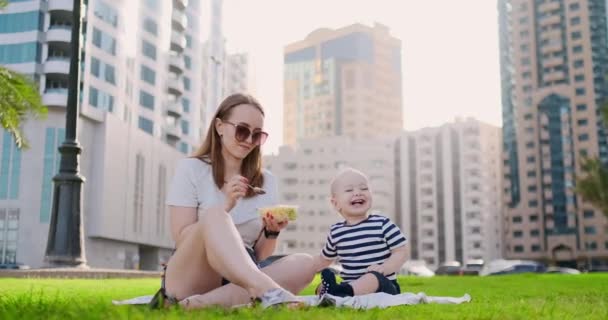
[[181, 4], [175, 86], [176, 64], [55, 97], [174, 109], [59, 33], [60, 5], [173, 133], [59, 65], [178, 42], [549, 6], [179, 20]]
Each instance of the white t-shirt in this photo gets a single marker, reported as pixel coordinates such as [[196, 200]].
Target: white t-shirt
[[193, 186]]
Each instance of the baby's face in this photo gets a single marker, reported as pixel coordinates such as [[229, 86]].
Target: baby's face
[[351, 195]]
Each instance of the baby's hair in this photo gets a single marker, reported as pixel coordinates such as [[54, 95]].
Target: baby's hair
[[340, 173]]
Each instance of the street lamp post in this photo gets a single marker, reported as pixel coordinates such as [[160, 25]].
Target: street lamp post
[[65, 246]]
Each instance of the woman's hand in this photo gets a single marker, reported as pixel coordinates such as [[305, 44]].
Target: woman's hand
[[234, 189], [271, 224]]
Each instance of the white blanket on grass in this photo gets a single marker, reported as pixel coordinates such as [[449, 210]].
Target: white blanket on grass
[[368, 301]]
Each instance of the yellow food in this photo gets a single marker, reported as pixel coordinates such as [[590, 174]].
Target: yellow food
[[281, 213]]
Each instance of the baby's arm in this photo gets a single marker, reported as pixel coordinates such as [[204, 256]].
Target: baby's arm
[[321, 262], [395, 261]]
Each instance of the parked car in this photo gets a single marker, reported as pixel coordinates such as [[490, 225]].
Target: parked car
[[473, 267], [498, 267], [562, 270], [416, 268], [14, 266], [450, 268]]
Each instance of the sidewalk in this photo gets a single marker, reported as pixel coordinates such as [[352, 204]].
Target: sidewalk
[[79, 273]]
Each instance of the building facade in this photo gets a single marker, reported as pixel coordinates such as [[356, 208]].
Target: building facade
[[141, 110], [342, 82], [448, 192], [304, 176], [554, 61]]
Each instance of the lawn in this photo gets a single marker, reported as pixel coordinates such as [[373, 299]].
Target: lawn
[[501, 297]]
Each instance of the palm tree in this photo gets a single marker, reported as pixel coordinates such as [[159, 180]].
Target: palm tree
[[593, 187], [19, 98]]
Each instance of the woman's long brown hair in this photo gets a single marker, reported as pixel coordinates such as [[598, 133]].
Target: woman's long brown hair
[[211, 150]]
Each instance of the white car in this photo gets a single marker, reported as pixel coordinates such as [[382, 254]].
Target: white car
[[416, 268]]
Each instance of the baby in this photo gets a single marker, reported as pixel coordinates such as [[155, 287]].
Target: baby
[[370, 248]]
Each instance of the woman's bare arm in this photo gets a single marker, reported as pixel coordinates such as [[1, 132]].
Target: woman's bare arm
[[181, 217]]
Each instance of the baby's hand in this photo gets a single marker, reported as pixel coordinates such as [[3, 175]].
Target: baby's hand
[[376, 267]]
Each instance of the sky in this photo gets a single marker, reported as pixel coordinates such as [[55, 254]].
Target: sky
[[450, 54]]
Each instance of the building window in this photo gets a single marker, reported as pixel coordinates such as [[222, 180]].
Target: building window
[[151, 4], [535, 248], [591, 245], [581, 107], [10, 168], [533, 203], [9, 235], [582, 122], [534, 233], [138, 196], [188, 62], [185, 127], [146, 125], [531, 188], [21, 22], [106, 13], [531, 174], [590, 230], [183, 147], [577, 49], [104, 41], [54, 138], [583, 137], [161, 192], [20, 53], [146, 100], [580, 91], [103, 71], [189, 41], [579, 78], [518, 248], [148, 49], [575, 6], [100, 99], [186, 83], [576, 35], [150, 26], [533, 217], [588, 214], [578, 63], [186, 105], [517, 219], [518, 234], [530, 145], [148, 75]]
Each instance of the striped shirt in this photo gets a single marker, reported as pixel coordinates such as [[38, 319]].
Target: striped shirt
[[361, 245]]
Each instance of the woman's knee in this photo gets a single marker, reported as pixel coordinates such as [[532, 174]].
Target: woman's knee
[[305, 263]]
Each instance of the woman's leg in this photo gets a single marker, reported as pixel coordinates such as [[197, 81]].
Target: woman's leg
[[293, 273], [212, 244]]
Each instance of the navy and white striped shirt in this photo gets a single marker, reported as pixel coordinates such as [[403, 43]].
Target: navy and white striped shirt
[[359, 246]]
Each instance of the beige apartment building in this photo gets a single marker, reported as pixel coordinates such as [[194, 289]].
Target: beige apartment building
[[449, 192], [343, 82], [554, 59], [304, 174]]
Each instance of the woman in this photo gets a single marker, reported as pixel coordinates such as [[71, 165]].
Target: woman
[[214, 221]]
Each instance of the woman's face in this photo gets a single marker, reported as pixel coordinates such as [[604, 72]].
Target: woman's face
[[244, 115]]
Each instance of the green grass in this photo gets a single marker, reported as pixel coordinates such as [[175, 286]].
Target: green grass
[[501, 297]]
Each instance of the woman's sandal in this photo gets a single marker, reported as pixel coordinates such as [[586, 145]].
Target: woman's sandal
[[279, 297]]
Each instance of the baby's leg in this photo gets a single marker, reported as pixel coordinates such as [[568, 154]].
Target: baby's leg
[[368, 283]]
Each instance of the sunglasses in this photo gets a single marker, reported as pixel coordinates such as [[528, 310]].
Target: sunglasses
[[242, 133]]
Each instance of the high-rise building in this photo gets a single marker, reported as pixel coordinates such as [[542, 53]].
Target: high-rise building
[[449, 192], [141, 110], [304, 176], [343, 82], [554, 61], [237, 74]]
